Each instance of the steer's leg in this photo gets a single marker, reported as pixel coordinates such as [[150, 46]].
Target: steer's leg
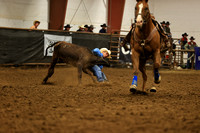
[[157, 62], [79, 66], [85, 70], [135, 61], [51, 69]]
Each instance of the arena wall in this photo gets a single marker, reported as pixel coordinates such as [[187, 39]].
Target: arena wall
[[90, 12], [18, 46], [183, 15], [22, 13]]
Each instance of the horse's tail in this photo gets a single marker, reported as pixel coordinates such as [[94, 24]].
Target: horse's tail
[[50, 47]]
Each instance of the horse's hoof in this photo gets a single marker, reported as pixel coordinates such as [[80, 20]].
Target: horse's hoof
[[133, 88], [157, 81], [44, 82], [153, 89]]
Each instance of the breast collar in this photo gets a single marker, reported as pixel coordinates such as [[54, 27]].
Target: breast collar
[[148, 39]]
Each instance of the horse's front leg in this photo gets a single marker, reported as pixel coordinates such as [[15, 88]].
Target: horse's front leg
[[135, 61], [143, 70], [157, 62]]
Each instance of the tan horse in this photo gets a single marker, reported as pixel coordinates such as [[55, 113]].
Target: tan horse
[[145, 44]]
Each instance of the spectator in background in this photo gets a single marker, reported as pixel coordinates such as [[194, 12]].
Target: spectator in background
[[183, 40], [81, 28], [163, 25], [190, 46], [168, 31], [86, 28], [36, 23], [103, 29], [91, 28], [67, 27]]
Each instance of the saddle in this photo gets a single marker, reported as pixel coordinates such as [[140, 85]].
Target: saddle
[[160, 29], [162, 33]]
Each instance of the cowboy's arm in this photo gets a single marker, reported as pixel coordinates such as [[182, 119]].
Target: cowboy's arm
[[195, 45], [32, 27], [186, 46], [97, 52], [181, 42], [127, 39]]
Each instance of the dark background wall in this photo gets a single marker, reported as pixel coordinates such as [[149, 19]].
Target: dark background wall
[[19, 46]]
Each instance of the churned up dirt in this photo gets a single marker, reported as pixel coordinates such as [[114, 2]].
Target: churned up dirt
[[27, 106]]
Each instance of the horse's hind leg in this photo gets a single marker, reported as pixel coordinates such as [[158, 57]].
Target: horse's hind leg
[[135, 61], [157, 77], [143, 70], [51, 69], [157, 62]]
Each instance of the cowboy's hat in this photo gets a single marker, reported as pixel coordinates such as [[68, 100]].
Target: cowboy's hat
[[167, 23], [103, 25], [163, 22], [86, 26], [92, 26], [36, 21], [105, 49], [82, 26], [185, 34], [67, 26], [192, 38]]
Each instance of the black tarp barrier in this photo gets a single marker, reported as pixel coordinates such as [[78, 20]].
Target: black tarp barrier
[[19, 46]]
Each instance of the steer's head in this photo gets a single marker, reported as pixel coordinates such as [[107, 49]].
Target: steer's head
[[101, 61], [95, 60]]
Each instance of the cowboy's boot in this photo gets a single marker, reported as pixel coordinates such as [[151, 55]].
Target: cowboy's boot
[[124, 44]]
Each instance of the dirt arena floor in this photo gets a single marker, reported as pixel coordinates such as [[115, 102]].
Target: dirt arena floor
[[27, 106]]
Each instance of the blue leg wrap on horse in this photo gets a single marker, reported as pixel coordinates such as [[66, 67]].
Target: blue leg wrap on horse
[[156, 74], [134, 82]]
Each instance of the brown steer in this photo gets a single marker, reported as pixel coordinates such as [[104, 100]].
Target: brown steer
[[78, 56]]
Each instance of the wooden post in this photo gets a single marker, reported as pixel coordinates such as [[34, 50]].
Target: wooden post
[[115, 14], [57, 14]]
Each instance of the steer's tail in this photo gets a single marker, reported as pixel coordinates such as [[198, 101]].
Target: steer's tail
[[50, 47]]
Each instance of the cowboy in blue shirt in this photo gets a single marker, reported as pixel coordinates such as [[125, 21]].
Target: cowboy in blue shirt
[[96, 69]]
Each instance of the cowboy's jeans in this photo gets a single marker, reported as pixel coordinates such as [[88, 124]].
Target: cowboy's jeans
[[98, 73]]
